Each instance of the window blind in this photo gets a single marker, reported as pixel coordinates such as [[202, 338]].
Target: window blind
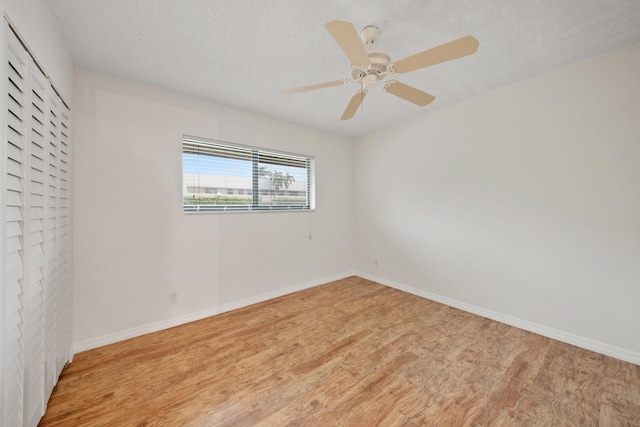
[[219, 176]]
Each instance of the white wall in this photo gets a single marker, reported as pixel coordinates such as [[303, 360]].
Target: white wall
[[134, 244], [38, 27], [522, 204]]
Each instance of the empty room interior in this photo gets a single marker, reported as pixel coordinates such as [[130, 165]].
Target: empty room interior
[[330, 213]]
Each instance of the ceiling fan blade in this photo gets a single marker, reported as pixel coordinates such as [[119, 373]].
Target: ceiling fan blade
[[317, 86], [347, 38], [409, 93], [355, 102], [445, 52]]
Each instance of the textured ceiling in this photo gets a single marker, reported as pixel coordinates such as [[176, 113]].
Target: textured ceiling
[[243, 53]]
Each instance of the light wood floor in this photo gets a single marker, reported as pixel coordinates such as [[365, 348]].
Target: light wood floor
[[348, 353]]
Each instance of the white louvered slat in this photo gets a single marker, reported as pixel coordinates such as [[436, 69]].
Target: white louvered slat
[[38, 103], [14, 169], [37, 174], [13, 292], [14, 365], [14, 183], [14, 91], [13, 198], [36, 254], [14, 152], [13, 214], [33, 333], [34, 278], [13, 229], [37, 135], [17, 60], [35, 214], [14, 122], [38, 188], [37, 151], [13, 245], [14, 106], [35, 200], [13, 137], [38, 226]]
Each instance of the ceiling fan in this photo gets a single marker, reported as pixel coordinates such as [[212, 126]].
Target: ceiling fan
[[368, 67]]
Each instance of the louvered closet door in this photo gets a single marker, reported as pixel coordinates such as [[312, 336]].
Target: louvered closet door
[[34, 252], [51, 245], [63, 294], [14, 159], [35, 292]]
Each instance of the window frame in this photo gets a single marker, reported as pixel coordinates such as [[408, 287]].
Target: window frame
[[255, 191]]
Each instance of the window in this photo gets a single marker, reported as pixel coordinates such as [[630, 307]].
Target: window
[[244, 178]]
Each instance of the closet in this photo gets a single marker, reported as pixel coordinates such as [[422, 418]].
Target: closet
[[35, 297]]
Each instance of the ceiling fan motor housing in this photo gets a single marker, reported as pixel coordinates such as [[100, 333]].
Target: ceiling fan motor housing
[[378, 66]]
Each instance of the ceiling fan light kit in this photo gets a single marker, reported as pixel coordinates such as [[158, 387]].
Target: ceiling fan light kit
[[368, 66]]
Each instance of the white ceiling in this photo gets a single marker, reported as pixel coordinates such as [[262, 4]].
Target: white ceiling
[[243, 53]]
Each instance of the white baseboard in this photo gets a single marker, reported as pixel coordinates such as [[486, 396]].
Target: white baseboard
[[556, 334], [191, 317]]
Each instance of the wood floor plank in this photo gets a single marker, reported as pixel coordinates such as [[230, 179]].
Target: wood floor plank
[[348, 353]]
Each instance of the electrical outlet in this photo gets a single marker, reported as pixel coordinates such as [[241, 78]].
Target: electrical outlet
[[173, 297]]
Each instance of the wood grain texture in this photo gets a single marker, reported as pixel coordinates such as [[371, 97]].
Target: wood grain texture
[[348, 353]]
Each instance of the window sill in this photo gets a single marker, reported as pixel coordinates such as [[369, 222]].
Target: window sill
[[244, 211]]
